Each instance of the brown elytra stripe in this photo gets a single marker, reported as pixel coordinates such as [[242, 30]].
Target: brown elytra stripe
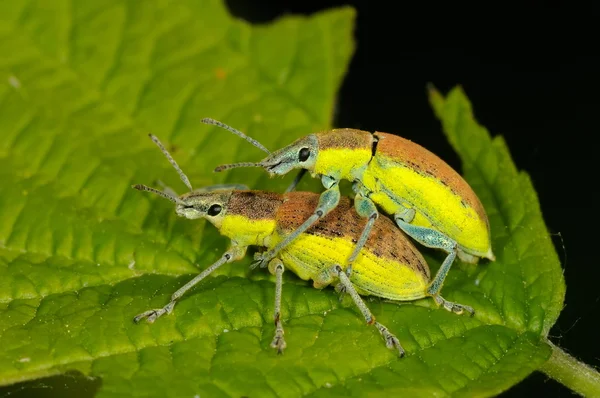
[[386, 240], [345, 138], [256, 205], [425, 162]]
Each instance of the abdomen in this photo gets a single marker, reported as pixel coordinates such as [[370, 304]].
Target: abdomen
[[403, 172], [388, 266]]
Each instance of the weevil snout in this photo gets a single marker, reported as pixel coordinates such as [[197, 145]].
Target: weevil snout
[[188, 211], [301, 154], [209, 205]]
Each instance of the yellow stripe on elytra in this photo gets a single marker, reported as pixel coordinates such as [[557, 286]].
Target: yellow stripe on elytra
[[443, 209], [245, 231], [309, 255], [342, 163]]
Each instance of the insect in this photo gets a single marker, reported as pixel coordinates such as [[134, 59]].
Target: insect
[[388, 265], [428, 199]]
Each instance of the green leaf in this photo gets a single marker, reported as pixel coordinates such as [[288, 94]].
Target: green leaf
[[81, 253], [525, 286]]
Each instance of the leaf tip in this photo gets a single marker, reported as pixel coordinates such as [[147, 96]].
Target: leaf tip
[[436, 99], [350, 11], [347, 11], [430, 87]]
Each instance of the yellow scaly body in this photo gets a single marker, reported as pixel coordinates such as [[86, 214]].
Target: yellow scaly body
[[438, 207], [309, 255]]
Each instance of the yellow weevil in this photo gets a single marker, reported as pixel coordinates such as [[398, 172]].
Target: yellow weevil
[[428, 199], [388, 266]]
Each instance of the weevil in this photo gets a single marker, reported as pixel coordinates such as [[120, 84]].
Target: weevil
[[428, 199], [388, 265]]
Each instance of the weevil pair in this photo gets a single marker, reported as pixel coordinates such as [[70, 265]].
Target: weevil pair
[[326, 238]]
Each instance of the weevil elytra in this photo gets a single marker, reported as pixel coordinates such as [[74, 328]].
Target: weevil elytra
[[388, 266], [428, 199]]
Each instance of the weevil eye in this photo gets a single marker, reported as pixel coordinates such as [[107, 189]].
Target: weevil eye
[[214, 210], [303, 154]]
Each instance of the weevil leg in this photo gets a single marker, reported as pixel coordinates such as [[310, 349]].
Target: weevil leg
[[436, 285], [234, 253], [276, 268], [434, 239], [453, 307], [391, 341], [328, 200], [367, 209], [296, 181]]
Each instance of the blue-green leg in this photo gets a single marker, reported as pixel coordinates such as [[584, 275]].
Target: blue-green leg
[[328, 201], [233, 254], [391, 341], [435, 239], [276, 268], [453, 307], [365, 208]]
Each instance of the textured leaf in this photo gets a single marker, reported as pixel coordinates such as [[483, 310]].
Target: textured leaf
[[81, 253], [525, 287]]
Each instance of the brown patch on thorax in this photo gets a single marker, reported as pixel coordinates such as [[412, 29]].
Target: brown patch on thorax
[[425, 162], [256, 205], [345, 138], [386, 240]]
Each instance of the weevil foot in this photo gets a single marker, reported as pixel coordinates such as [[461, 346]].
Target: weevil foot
[[152, 315], [278, 341], [261, 259], [341, 289], [391, 341], [454, 307]]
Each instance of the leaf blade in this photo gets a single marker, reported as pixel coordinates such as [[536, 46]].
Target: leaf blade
[[534, 298]]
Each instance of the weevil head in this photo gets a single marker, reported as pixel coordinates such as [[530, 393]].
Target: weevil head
[[210, 202], [210, 205], [301, 154], [339, 153]]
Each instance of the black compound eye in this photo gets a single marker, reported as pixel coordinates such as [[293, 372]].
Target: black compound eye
[[214, 210], [303, 154]]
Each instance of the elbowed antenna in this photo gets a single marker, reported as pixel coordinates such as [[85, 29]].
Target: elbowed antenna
[[182, 175], [208, 120], [236, 165], [165, 195]]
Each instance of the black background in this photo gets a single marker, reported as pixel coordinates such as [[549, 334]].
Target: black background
[[531, 72]]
